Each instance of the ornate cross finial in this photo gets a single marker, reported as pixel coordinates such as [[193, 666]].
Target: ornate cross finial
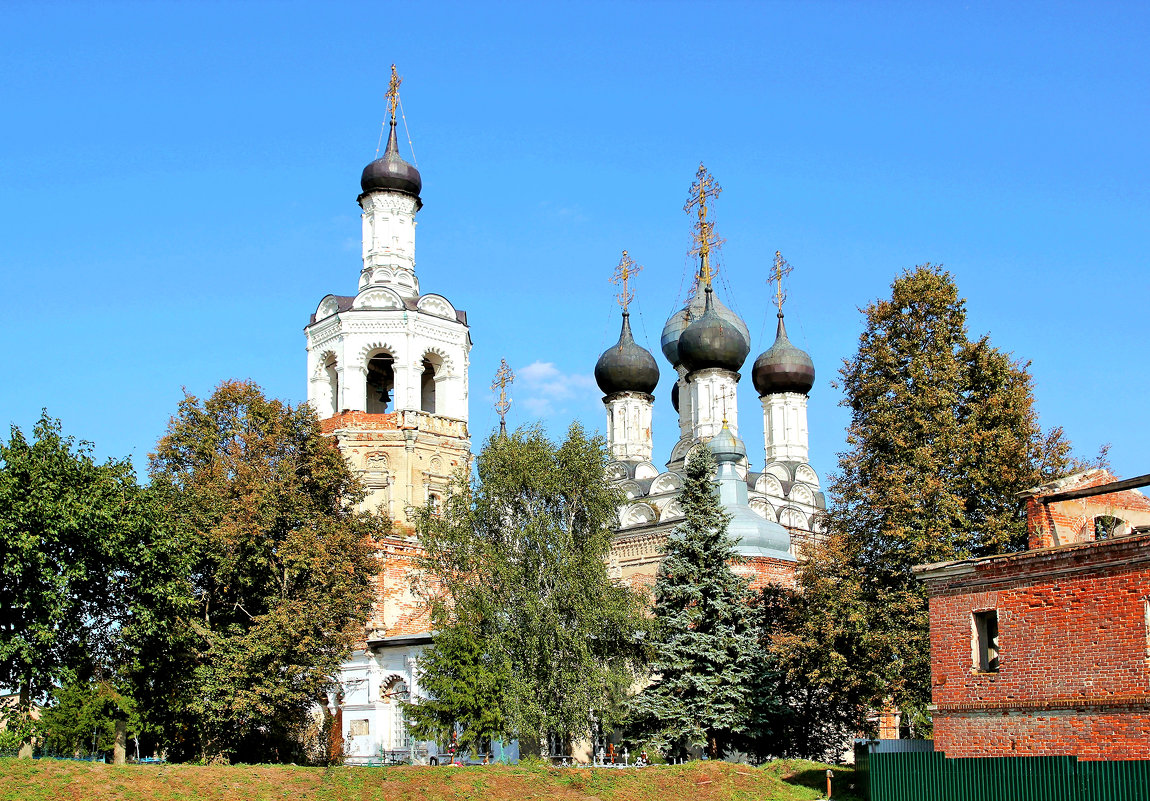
[[703, 191], [780, 271], [393, 92], [503, 378], [626, 270]]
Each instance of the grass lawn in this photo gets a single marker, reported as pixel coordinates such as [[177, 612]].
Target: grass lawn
[[783, 780]]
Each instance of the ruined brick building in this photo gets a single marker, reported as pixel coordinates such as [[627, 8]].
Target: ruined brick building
[[1047, 651]]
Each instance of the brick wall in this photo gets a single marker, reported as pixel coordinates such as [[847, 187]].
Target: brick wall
[[1065, 522], [1073, 673]]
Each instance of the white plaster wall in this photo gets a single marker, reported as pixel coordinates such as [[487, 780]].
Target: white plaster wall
[[785, 427], [629, 425], [712, 393], [408, 335], [389, 242]]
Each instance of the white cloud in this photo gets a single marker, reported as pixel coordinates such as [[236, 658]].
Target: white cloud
[[543, 388]]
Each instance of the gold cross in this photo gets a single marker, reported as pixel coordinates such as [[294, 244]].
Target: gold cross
[[503, 378], [626, 270], [704, 190], [393, 91], [780, 271]]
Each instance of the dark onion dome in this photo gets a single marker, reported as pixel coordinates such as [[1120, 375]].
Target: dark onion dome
[[783, 367], [712, 341], [675, 395], [678, 322], [391, 173], [625, 366], [726, 446]]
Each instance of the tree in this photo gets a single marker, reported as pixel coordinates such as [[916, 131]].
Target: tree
[[280, 564], [705, 649], [466, 683], [79, 554], [83, 718], [518, 559], [943, 436]]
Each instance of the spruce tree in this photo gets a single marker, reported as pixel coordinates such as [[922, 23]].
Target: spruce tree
[[704, 648], [943, 436], [465, 683]]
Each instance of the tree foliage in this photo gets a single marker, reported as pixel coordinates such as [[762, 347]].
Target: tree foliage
[[705, 647], [518, 557], [943, 435], [84, 559], [465, 682], [279, 566]]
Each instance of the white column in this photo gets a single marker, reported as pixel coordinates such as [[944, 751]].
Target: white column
[[785, 427], [713, 397], [389, 242], [629, 425]]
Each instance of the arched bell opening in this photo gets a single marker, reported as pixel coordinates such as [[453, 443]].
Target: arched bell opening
[[428, 389], [380, 384], [332, 399]]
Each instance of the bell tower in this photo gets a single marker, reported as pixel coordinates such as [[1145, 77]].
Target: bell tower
[[388, 365]]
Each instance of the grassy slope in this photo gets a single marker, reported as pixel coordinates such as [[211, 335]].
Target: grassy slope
[[789, 780]]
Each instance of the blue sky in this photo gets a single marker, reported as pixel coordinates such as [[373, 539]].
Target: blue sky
[[178, 184]]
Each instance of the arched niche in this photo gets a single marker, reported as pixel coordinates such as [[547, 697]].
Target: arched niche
[[631, 489], [638, 514], [436, 305], [807, 475], [327, 307], [646, 470], [667, 482], [769, 484], [801, 493], [762, 509], [379, 370], [377, 297]]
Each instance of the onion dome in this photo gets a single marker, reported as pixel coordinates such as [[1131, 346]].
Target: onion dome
[[625, 366], [675, 395], [390, 172], [726, 446], [678, 322], [783, 367], [713, 341]]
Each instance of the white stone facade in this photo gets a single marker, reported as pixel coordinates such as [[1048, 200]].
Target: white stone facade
[[422, 346], [629, 425], [389, 242], [785, 427]]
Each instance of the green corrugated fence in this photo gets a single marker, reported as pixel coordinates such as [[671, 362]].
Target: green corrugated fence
[[931, 776]]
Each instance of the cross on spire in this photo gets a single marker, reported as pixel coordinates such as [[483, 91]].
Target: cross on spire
[[780, 271], [626, 270], [504, 377], [393, 92], [703, 192]]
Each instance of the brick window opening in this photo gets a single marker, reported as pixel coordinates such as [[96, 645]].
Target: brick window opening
[[985, 641], [1108, 527]]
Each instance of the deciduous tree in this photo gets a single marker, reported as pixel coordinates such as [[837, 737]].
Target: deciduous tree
[[519, 554], [83, 561], [942, 438], [280, 564]]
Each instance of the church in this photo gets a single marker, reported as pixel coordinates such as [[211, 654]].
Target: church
[[388, 377]]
